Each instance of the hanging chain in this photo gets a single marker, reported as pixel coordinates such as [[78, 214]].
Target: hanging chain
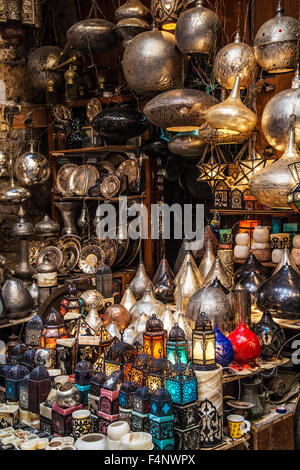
[[95, 9]]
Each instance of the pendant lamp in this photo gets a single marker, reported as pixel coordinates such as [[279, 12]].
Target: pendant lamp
[[165, 13]]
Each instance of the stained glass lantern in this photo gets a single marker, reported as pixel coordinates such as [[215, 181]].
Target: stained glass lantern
[[13, 381], [83, 373], [181, 383], [96, 383], [203, 344], [177, 346], [27, 359], [39, 385], [221, 195], [127, 391], [161, 403], [141, 400], [158, 373], [33, 332], [140, 369], [155, 338], [54, 328], [3, 373], [16, 354], [24, 393], [120, 356], [71, 303]]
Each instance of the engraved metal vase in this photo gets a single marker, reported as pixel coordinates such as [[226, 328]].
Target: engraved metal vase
[[188, 258], [189, 284], [38, 65], [207, 260], [271, 184], [132, 9], [286, 260], [270, 335], [68, 211], [251, 264], [17, 299]]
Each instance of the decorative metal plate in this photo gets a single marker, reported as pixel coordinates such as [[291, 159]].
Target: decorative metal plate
[[63, 178], [83, 178], [90, 259], [53, 254]]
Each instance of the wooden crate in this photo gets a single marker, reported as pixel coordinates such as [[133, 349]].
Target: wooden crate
[[273, 433]]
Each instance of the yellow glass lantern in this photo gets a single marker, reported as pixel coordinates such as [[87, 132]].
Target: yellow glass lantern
[[155, 338], [203, 344]]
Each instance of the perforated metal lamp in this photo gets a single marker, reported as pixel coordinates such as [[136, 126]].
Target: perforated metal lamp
[[155, 338], [203, 344]]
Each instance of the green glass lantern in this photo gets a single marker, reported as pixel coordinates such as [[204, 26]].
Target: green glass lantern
[[203, 344], [177, 346]]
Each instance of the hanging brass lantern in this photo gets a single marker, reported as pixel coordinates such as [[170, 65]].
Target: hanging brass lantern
[[132, 9], [38, 66], [271, 185], [197, 30], [276, 117], [187, 144], [275, 44], [94, 33], [165, 13], [128, 28], [235, 59], [181, 110], [232, 116], [152, 64]]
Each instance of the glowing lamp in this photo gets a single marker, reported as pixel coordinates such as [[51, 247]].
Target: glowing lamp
[[54, 328], [155, 338], [203, 344], [177, 346], [181, 383]]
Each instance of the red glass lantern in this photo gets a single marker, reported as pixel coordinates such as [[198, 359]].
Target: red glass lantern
[[54, 328], [245, 343], [155, 338], [71, 303]]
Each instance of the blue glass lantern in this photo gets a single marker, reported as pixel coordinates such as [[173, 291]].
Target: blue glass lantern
[[224, 349], [177, 346], [181, 383], [161, 403], [13, 382]]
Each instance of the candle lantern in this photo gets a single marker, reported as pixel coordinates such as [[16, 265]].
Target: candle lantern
[[161, 420], [39, 384], [157, 373], [13, 380], [140, 368], [24, 394], [71, 303], [181, 383], [177, 346], [140, 410], [83, 374], [54, 328], [155, 338], [33, 332], [27, 359], [127, 391], [119, 356], [161, 403], [96, 383], [203, 344], [16, 354]]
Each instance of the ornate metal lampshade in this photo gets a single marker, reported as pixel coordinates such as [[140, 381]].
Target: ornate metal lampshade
[[204, 344], [120, 356], [54, 328], [166, 13], [181, 383], [157, 373], [140, 369]]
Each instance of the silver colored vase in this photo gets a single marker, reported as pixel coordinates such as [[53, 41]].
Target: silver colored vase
[[23, 269], [17, 299], [207, 260], [68, 211], [128, 299], [241, 306], [140, 282], [286, 260], [217, 271]]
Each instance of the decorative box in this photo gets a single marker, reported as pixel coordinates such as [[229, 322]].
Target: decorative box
[[83, 392], [139, 422], [62, 419], [280, 240], [187, 439], [185, 416], [109, 401], [9, 415], [39, 385], [93, 404], [105, 420], [95, 423], [125, 415], [161, 428], [167, 444]]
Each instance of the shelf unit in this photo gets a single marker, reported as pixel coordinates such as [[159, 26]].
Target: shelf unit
[[277, 213]]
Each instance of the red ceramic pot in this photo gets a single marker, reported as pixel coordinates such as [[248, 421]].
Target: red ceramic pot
[[245, 343]]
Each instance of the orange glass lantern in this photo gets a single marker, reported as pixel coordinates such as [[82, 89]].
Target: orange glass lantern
[[155, 338], [54, 328], [247, 226]]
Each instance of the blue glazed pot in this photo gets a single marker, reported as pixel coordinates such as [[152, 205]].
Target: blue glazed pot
[[224, 349]]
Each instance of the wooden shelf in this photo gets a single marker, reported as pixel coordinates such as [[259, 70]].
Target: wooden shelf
[[103, 100], [95, 150], [262, 366], [96, 198], [282, 213]]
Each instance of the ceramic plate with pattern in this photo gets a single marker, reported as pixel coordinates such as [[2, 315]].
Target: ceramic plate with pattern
[[90, 259]]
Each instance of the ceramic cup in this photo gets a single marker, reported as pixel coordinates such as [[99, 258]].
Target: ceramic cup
[[238, 426], [117, 429], [92, 442], [136, 441], [81, 423], [54, 445]]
